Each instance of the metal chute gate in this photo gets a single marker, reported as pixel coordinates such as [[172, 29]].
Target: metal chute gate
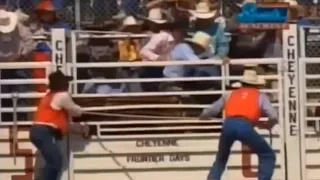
[[174, 148]]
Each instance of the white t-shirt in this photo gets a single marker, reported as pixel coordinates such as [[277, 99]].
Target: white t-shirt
[[63, 100]]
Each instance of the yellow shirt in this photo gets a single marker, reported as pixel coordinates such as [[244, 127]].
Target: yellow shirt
[[129, 50]]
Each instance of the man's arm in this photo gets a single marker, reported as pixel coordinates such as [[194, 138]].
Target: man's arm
[[27, 43], [267, 108], [64, 101], [222, 43], [147, 51], [181, 51], [268, 111], [214, 109]]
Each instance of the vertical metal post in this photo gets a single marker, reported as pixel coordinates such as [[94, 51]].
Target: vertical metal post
[[15, 97], [291, 101], [77, 13]]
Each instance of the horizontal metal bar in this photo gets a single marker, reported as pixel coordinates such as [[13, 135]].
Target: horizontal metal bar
[[312, 118], [22, 81], [23, 95], [185, 79], [312, 90], [26, 65], [312, 104], [308, 60], [312, 76], [111, 36], [172, 93], [168, 63]]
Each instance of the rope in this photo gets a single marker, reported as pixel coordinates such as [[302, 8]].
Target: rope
[[111, 152], [145, 106], [139, 116]]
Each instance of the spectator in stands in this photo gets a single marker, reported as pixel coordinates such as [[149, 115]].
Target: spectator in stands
[[308, 16], [129, 49], [102, 51], [205, 18], [47, 16], [15, 37], [46, 19], [16, 42], [15, 46], [28, 6], [160, 44], [190, 50], [169, 7], [104, 88]]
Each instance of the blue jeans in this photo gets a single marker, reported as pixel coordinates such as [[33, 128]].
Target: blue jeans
[[206, 71], [45, 140], [240, 129]]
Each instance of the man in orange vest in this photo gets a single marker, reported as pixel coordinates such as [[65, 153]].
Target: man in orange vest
[[243, 109], [51, 123]]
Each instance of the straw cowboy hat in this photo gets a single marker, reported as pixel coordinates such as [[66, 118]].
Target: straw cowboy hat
[[200, 39], [8, 21], [156, 15], [130, 22], [251, 77], [203, 11]]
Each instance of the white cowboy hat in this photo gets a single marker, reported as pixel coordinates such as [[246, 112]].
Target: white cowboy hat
[[203, 11], [251, 77], [246, 2], [201, 39], [291, 2], [130, 21], [22, 17], [8, 21], [156, 15]]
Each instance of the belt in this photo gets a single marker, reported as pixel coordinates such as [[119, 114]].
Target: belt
[[47, 124], [239, 117], [53, 128], [270, 130]]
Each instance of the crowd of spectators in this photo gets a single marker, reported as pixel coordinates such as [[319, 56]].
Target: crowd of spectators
[[179, 31]]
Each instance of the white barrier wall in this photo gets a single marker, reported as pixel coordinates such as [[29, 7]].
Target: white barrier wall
[[188, 149]]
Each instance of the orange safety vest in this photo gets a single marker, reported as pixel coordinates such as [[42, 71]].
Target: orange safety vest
[[244, 102], [46, 115]]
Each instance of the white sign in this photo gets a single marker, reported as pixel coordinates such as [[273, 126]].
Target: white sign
[[58, 40], [290, 54]]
